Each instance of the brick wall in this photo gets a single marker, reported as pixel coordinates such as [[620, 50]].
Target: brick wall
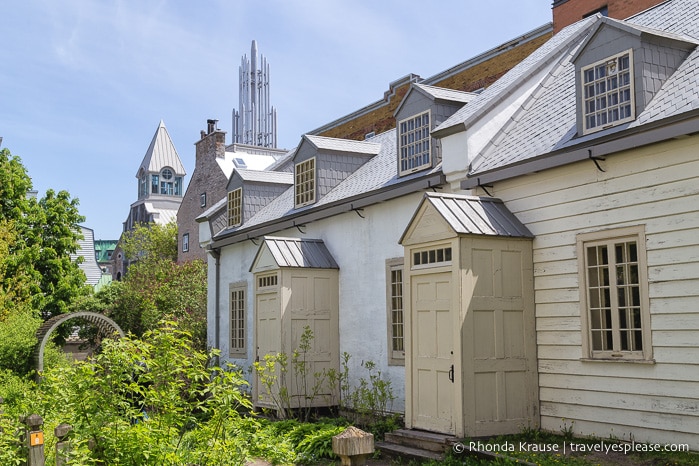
[[570, 11], [207, 178]]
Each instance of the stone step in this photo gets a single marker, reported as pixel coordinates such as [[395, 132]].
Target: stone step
[[402, 451], [420, 439]]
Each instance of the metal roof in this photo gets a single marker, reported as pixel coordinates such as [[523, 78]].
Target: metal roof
[[161, 153], [86, 250], [297, 252], [475, 215]]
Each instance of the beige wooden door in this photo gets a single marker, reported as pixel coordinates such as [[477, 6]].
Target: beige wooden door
[[433, 350], [499, 337], [267, 335], [313, 305]]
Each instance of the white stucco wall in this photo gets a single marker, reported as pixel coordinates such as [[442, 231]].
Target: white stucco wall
[[361, 247]]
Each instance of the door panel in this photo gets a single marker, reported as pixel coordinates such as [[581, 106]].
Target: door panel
[[432, 372], [267, 335]]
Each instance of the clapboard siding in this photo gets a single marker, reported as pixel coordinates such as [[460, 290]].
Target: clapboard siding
[[670, 388], [622, 417], [558, 309], [655, 186], [620, 432], [627, 401]]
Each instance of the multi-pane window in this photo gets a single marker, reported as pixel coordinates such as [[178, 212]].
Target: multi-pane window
[[414, 143], [305, 182], [237, 308], [616, 309], [155, 184], [432, 256], [266, 281], [607, 92], [394, 278], [235, 207], [185, 242], [143, 186]]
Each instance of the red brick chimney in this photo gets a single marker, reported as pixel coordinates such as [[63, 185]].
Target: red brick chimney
[[567, 12]]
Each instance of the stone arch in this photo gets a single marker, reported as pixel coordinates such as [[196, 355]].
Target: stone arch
[[104, 323]]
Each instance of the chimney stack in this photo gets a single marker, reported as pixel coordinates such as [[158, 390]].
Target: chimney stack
[[211, 126]]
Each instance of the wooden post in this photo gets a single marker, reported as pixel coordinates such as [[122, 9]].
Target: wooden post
[[35, 440], [63, 444], [353, 446]]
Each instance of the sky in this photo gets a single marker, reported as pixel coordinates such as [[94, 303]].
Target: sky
[[84, 84]]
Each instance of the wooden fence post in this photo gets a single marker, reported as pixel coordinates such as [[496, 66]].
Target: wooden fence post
[[35, 440], [63, 444]]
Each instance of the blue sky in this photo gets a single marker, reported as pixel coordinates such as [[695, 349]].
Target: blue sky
[[85, 83]]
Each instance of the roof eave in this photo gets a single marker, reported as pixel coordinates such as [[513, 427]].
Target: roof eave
[[330, 210], [663, 130]]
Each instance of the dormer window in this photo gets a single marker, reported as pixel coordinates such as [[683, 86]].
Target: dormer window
[[305, 183], [608, 92], [235, 207], [414, 143], [169, 183]]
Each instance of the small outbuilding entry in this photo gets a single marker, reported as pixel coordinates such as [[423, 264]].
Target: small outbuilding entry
[[296, 286], [469, 322]]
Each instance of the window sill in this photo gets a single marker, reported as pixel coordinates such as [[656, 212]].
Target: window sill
[[632, 361]]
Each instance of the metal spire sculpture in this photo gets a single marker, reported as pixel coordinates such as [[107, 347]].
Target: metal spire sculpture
[[255, 121]]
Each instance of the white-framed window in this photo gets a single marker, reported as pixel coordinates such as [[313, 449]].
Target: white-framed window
[[305, 182], [202, 200], [235, 207], [185, 242], [614, 294], [607, 92], [414, 143], [394, 307], [237, 293], [268, 281], [432, 257]]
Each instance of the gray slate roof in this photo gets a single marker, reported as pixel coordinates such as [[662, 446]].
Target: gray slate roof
[[477, 215], [546, 121], [527, 67], [296, 252], [379, 172], [266, 176], [343, 145]]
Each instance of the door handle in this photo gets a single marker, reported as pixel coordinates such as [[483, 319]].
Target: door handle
[[451, 373]]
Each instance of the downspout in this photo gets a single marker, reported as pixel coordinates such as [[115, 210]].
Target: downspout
[[216, 254]]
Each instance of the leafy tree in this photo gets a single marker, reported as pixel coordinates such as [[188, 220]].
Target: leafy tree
[[156, 286], [36, 264]]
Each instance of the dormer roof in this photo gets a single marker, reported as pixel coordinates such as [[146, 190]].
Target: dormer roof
[[527, 121], [264, 176], [637, 30], [436, 93], [161, 153], [339, 145]]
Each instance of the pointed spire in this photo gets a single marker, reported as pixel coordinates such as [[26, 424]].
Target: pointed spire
[[161, 153]]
